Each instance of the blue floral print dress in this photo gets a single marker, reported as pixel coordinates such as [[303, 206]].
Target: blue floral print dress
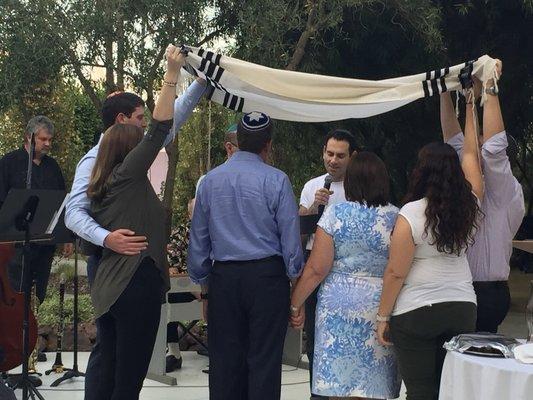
[[348, 360]]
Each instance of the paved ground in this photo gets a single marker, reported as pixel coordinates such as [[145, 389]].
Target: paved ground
[[192, 383]]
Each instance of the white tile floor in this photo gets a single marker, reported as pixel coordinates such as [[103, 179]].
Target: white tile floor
[[192, 383]]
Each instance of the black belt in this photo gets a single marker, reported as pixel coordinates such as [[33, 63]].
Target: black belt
[[260, 260]]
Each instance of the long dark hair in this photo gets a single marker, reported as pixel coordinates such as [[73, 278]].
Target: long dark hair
[[117, 142], [452, 210], [367, 180]]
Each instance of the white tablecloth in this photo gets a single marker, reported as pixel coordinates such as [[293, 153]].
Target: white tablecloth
[[466, 377]]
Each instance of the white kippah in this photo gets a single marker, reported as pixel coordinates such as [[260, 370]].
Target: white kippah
[[255, 121]]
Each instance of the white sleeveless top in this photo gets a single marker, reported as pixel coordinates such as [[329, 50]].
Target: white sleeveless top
[[435, 277]]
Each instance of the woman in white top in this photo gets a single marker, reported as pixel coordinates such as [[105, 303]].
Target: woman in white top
[[427, 286]]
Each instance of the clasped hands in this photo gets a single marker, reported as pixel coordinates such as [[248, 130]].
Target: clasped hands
[[297, 318]]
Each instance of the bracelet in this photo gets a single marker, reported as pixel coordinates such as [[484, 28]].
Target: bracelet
[[380, 318], [294, 309], [169, 83]]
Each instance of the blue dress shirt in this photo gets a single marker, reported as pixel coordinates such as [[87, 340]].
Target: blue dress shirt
[[244, 210], [77, 217]]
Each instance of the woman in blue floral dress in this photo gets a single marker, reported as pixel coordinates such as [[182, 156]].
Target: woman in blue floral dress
[[349, 257]]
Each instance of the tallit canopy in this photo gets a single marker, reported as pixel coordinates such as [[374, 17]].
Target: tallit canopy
[[297, 96]]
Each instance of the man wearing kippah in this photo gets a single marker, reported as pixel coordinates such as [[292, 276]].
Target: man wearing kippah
[[244, 247]]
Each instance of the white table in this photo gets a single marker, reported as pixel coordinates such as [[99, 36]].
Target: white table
[[466, 377]]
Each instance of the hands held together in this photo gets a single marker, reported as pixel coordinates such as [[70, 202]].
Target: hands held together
[[297, 317]]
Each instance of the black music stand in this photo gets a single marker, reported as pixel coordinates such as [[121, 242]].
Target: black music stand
[[74, 371], [29, 216]]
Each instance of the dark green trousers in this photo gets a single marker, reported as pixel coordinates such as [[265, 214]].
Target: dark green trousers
[[418, 337]]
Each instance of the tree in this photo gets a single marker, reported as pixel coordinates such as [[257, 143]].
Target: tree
[[126, 38], [381, 39]]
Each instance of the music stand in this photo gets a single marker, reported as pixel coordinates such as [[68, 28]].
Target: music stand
[[74, 371], [29, 216]]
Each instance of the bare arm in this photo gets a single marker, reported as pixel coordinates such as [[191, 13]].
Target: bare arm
[[401, 254], [492, 113], [448, 119], [316, 269], [138, 161], [164, 108], [470, 161]]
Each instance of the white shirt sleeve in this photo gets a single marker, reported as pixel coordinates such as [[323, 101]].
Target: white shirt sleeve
[[307, 197], [183, 108]]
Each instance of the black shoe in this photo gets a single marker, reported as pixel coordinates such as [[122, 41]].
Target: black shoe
[[41, 357], [202, 352], [173, 363]]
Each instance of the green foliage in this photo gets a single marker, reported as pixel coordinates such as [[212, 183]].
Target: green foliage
[[66, 269], [75, 118], [44, 43], [49, 310], [383, 39], [29, 61], [193, 142], [87, 120]]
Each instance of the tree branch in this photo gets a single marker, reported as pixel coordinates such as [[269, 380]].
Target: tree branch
[[313, 22], [209, 37]]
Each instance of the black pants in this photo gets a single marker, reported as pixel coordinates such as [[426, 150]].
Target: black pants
[[418, 337], [39, 262], [248, 315], [126, 337], [493, 302], [172, 327]]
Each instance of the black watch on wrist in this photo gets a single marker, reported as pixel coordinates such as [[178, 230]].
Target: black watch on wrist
[[204, 296]]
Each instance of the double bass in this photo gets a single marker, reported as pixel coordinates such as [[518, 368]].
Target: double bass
[[11, 316]]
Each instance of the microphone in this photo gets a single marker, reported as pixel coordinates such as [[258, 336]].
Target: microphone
[[327, 185]]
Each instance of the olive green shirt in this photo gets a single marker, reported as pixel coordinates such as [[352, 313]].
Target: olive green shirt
[[131, 203]]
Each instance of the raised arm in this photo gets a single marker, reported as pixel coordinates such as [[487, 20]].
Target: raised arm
[[164, 108], [448, 119], [470, 162], [139, 160], [492, 113], [184, 105], [500, 184]]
